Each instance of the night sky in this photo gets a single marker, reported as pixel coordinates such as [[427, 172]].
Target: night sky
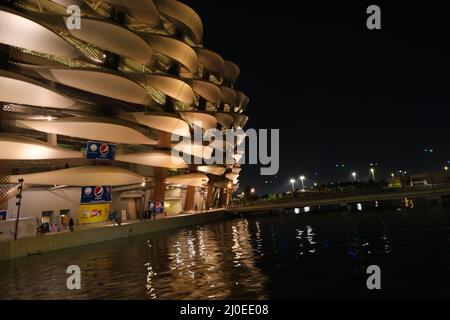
[[338, 92]]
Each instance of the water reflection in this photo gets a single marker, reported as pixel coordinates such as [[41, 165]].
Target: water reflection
[[296, 256]]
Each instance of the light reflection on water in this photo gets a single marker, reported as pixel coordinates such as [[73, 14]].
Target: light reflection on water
[[284, 256]]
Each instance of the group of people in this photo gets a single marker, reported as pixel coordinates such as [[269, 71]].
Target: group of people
[[45, 227], [148, 214], [114, 218]]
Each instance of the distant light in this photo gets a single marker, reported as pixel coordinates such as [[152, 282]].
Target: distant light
[[252, 190], [359, 206], [354, 174], [315, 184], [302, 177], [392, 175], [306, 209], [143, 184], [292, 180], [376, 203], [297, 210], [446, 168]]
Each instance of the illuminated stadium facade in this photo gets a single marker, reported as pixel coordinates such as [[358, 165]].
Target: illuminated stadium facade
[[130, 74]]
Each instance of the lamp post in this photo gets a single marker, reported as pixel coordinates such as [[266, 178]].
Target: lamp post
[[302, 179], [292, 182], [372, 170], [354, 176], [19, 203]]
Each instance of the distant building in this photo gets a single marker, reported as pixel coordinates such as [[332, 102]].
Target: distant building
[[429, 178]]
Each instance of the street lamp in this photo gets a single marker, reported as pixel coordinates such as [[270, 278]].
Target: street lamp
[[446, 168], [392, 175], [292, 182], [372, 170], [252, 190], [354, 176], [302, 179]]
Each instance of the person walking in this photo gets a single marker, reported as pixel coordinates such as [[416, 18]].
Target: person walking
[[71, 224]]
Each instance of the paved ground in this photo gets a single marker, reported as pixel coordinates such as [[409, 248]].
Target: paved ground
[[110, 224]]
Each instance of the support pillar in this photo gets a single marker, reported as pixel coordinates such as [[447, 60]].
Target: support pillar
[[210, 195], [189, 204], [221, 198], [160, 174], [159, 186], [227, 198]]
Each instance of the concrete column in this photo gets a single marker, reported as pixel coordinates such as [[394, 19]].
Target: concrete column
[[221, 197], [189, 204], [159, 186], [210, 196], [227, 198], [160, 174]]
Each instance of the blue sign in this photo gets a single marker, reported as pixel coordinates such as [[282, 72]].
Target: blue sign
[[3, 215], [100, 151], [156, 206], [96, 194]]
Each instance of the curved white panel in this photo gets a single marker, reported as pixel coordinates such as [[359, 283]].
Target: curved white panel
[[190, 179], [183, 14], [242, 99], [174, 49], [232, 71], [114, 38], [200, 119], [211, 61], [224, 119], [97, 81], [83, 176], [18, 31], [207, 90], [236, 169], [13, 147], [101, 129], [197, 150], [232, 176], [143, 10], [154, 159], [18, 89], [171, 86], [229, 96], [239, 119], [164, 122], [215, 170]]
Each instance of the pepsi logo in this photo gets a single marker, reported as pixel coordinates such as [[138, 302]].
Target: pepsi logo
[[98, 192], [104, 149]]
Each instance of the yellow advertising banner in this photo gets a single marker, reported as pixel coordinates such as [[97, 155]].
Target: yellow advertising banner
[[92, 213]]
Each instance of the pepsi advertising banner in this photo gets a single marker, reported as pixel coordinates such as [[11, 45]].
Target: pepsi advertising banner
[[100, 151], [96, 194], [156, 206]]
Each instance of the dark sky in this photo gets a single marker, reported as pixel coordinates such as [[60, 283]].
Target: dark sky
[[338, 92]]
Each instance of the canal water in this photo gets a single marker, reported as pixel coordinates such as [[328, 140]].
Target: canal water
[[283, 256]]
